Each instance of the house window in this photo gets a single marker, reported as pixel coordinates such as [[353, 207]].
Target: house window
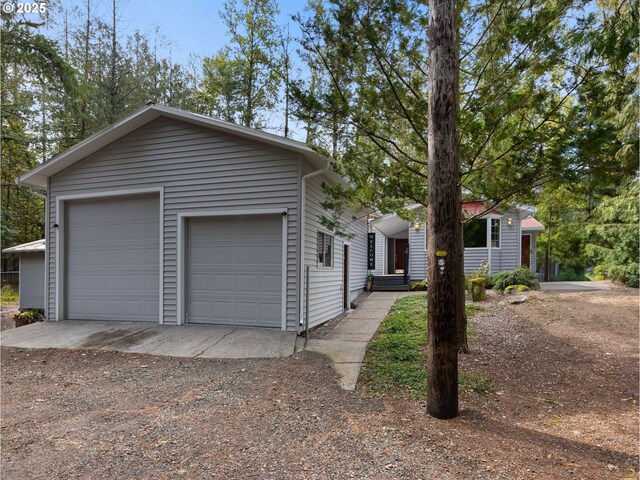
[[325, 250], [495, 232], [475, 233]]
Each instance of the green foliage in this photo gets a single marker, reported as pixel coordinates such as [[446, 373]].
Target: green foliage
[[8, 294], [516, 288], [396, 357], [519, 276], [568, 274], [221, 86], [28, 316], [613, 236], [418, 286], [254, 37], [483, 386], [594, 277]]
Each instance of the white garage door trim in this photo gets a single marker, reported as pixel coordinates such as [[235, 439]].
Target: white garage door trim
[[181, 266], [60, 240]]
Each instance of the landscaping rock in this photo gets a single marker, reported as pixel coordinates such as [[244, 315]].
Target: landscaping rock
[[518, 300], [511, 289]]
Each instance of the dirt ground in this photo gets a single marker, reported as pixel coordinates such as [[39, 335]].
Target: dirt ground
[[7, 311], [565, 368]]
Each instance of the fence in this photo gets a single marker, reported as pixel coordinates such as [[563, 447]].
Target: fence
[[10, 278]]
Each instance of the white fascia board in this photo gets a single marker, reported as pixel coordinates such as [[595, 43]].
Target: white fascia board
[[35, 246]]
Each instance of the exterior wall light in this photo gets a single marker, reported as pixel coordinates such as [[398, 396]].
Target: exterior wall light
[[509, 221], [416, 226]]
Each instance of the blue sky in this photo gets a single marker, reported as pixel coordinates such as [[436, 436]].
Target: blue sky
[[193, 26]]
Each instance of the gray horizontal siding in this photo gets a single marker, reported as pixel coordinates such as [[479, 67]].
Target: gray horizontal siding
[[507, 257], [199, 170], [381, 247], [326, 284], [418, 252], [32, 277], [473, 257]]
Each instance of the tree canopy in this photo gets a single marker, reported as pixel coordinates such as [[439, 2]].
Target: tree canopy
[[548, 96]]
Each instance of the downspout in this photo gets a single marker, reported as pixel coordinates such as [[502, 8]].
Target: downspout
[[302, 230]]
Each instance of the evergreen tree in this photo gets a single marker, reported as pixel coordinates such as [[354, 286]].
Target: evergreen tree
[[252, 27]]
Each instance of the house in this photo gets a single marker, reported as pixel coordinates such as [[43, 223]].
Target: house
[[31, 269], [505, 239], [176, 218]]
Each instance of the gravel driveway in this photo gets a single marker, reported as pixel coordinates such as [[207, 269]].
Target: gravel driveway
[[565, 406]]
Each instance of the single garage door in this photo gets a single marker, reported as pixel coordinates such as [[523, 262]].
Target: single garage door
[[112, 259], [234, 270]]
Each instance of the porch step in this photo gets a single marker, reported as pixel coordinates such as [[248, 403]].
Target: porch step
[[390, 288], [389, 283]]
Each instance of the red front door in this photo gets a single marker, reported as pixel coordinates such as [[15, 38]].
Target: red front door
[[525, 256], [401, 246]]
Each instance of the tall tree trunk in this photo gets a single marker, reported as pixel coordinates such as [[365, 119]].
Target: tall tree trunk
[[444, 208], [85, 73], [113, 88]]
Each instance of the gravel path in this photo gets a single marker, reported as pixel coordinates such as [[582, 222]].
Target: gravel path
[[565, 368]]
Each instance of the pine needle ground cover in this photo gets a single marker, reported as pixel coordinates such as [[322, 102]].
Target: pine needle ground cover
[[396, 358]]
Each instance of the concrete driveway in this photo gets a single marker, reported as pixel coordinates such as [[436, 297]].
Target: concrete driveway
[[204, 341], [578, 286]]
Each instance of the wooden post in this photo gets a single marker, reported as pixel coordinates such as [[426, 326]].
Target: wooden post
[[444, 205]]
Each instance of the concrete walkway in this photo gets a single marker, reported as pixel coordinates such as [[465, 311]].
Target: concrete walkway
[[204, 341], [578, 286], [346, 344]]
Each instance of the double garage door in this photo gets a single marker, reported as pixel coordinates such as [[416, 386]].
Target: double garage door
[[233, 267]]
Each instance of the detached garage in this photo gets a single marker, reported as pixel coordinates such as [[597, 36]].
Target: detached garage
[[173, 217]]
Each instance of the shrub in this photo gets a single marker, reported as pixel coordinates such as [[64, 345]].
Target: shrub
[[28, 316], [418, 286], [627, 274], [519, 276], [481, 272], [9, 294], [568, 274]]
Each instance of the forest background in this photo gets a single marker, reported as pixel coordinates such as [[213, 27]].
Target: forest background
[[548, 102]]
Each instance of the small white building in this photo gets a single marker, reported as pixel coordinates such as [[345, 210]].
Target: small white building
[[31, 268]]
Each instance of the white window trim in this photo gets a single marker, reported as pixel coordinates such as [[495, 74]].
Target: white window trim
[[490, 219], [333, 253], [60, 240], [180, 260]]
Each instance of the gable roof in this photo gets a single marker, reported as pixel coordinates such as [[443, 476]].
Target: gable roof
[[531, 223], [35, 246], [469, 209], [391, 224], [38, 176]]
